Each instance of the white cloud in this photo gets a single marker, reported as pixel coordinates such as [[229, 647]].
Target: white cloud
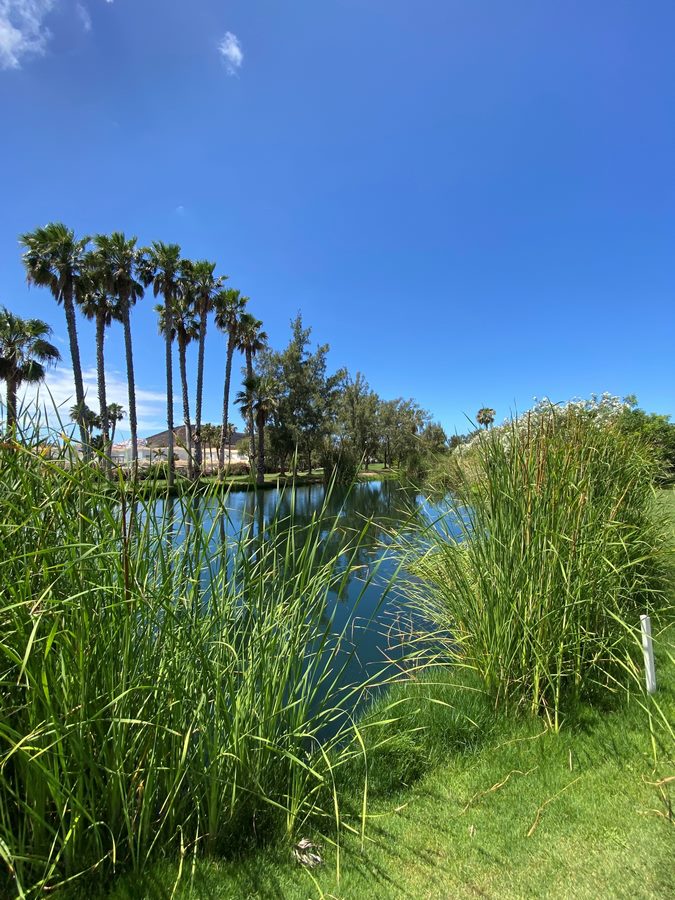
[[84, 15], [180, 210], [230, 49], [22, 30], [58, 391]]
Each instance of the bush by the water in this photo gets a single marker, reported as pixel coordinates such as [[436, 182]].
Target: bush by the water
[[557, 556]]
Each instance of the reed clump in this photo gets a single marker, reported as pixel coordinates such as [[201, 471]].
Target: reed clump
[[549, 555], [168, 686]]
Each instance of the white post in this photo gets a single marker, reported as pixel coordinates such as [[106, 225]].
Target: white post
[[648, 650]]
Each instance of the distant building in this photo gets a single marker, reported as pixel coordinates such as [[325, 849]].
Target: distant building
[[156, 448]]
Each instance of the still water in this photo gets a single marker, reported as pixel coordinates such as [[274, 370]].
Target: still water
[[372, 602]]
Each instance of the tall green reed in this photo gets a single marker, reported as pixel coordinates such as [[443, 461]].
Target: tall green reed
[[165, 683], [549, 557]]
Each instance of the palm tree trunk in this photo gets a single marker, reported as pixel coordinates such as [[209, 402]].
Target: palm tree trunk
[[226, 403], [200, 390], [168, 327], [260, 473], [71, 324], [100, 376], [251, 426], [131, 384], [186, 404], [11, 406]]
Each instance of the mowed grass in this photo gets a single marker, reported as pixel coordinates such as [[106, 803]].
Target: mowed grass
[[529, 814], [506, 809]]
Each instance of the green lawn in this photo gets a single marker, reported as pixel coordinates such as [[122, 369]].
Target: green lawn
[[499, 809]]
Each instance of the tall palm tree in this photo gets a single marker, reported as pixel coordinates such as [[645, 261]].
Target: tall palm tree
[[25, 354], [205, 286], [252, 339], [229, 307], [86, 418], [115, 415], [258, 400], [97, 304], [54, 258], [185, 329], [159, 266], [485, 416], [118, 262]]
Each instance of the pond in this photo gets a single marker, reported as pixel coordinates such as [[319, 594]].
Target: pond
[[379, 619]]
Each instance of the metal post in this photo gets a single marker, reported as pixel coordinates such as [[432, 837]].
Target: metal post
[[648, 650]]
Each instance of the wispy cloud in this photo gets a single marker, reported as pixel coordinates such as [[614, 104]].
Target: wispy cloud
[[59, 391], [230, 49], [22, 30], [84, 16]]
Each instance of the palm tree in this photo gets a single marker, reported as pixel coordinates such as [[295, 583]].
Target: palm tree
[[87, 419], [229, 306], [252, 339], [205, 286], [118, 262], [160, 267], [25, 353], [185, 329], [55, 259], [115, 415], [485, 416], [97, 304], [258, 400]]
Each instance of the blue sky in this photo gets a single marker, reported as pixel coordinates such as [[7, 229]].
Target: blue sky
[[472, 202]]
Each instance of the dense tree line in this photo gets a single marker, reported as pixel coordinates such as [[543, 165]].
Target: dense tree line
[[297, 413]]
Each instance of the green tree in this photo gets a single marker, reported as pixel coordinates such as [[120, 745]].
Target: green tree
[[308, 397], [485, 416], [54, 258], [185, 329], [205, 287], [252, 339], [259, 400], [87, 420], [118, 261], [25, 354], [98, 305], [229, 308], [359, 417], [656, 430], [400, 425], [159, 266], [115, 415]]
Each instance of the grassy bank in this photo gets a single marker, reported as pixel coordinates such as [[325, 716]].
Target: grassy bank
[[165, 680], [238, 483], [469, 792], [174, 714], [515, 811]]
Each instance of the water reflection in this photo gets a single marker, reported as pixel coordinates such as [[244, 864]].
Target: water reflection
[[357, 524]]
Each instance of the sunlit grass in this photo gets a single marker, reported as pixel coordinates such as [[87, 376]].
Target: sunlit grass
[[168, 688], [559, 553]]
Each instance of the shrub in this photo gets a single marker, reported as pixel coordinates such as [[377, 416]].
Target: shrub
[[340, 464], [237, 468], [549, 555]]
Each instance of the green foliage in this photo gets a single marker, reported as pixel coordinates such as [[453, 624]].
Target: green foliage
[[163, 683], [305, 406], [340, 464], [657, 431], [559, 554]]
